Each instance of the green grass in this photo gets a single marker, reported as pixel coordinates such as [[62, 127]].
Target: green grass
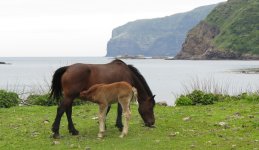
[[29, 128]]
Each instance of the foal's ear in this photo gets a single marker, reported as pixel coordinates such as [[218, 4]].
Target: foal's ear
[[153, 96]]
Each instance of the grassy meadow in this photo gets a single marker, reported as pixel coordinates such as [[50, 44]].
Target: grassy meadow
[[232, 124]]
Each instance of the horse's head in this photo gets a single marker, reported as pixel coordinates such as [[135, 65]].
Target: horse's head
[[146, 110]]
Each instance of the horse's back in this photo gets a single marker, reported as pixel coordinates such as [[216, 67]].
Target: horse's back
[[79, 77]]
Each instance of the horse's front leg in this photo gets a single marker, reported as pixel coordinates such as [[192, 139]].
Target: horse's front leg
[[108, 110], [119, 124], [102, 115], [71, 126]]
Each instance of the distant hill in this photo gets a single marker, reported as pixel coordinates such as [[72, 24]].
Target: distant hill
[[231, 31], [155, 37]]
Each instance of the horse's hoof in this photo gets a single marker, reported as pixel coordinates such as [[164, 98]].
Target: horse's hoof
[[119, 127], [74, 132], [56, 136]]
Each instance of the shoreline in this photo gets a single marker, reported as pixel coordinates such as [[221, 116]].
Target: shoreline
[[4, 63], [247, 71]]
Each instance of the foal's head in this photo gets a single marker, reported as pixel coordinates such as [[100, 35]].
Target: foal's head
[[84, 95], [90, 93]]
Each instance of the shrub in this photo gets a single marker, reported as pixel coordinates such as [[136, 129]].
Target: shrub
[[209, 99], [249, 97], [198, 97], [45, 100], [8, 99], [183, 101], [42, 100]]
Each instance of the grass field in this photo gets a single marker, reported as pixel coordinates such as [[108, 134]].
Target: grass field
[[224, 125]]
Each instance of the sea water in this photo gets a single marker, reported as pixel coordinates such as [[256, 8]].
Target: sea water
[[167, 78]]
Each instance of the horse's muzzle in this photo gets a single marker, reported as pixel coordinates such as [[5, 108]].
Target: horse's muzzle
[[150, 124]]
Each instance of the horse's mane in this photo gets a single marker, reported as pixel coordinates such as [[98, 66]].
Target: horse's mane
[[118, 61], [138, 75], [141, 79]]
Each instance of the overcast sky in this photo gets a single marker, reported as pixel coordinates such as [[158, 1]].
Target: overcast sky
[[74, 27]]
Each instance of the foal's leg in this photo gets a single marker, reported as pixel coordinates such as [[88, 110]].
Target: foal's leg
[[126, 113], [71, 126], [102, 115], [60, 111]]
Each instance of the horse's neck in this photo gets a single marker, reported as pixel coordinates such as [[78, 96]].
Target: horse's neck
[[142, 96]]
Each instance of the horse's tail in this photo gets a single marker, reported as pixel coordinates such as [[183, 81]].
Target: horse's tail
[[56, 87], [135, 95]]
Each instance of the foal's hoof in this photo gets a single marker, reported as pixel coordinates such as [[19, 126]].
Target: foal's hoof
[[122, 135], [74, 132], [56, 136], [100, 135]]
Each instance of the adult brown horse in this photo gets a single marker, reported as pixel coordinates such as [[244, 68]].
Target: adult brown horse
[[79, 77]]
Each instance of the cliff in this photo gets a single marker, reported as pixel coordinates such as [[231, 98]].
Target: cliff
[[155, 37], [230, 31]]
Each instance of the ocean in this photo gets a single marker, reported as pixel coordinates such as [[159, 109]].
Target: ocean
[[167, 79]]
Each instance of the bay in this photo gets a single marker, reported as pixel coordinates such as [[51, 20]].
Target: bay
[[167, 78]]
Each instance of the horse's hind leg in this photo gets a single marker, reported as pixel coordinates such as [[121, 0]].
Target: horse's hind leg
[[71, 126], [60, 111], [55, 125]]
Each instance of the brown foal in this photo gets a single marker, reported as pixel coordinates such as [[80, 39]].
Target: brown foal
[[106, 94]]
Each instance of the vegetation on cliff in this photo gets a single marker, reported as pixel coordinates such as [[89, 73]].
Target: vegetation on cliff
[[238, 22], [234, 29]]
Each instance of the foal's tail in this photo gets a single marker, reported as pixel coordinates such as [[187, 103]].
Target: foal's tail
[[56, 87], [135, 95]]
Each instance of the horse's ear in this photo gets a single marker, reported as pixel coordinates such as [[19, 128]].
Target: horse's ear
[[153, 96]]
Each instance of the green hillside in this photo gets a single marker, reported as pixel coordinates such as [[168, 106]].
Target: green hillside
[[230, 31], [238, 21]]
